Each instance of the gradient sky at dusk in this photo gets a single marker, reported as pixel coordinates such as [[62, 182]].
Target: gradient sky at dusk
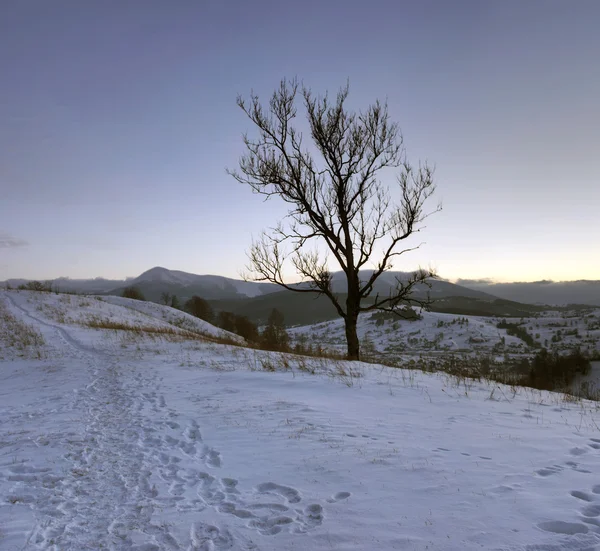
[[118, 119]]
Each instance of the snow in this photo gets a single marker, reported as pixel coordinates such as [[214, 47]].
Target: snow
[[147, 443], [164, 275], [433, 332], [450, 333], [172, 316]]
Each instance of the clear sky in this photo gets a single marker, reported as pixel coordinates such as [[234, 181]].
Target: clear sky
[[118, 119]]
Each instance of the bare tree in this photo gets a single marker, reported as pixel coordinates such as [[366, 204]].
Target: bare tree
[[336, 197]]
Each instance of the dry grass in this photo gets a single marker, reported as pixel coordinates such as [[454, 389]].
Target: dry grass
[[24, 339], [272, 362], [173, 334]]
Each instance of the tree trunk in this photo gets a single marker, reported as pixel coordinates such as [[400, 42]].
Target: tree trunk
[[352, 310], [352, 337]]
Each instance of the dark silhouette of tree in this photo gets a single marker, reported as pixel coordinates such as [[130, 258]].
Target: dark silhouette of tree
[[335, 198], [274, 335], [165, 298], [134, 293], [226, 321], [246, 328], [198, 307], [240, 325], [175, 302], [41, 286]]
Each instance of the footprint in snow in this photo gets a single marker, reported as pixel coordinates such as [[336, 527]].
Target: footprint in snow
[[212, 458], [270, 526], [229, 485], [289, 494], [192, 432], [582, 496], [561, 527], [549, 471], [188, 448], [339, 497], [205, 537], [314, 515], [591, 511], [577, 451], [555, 469]]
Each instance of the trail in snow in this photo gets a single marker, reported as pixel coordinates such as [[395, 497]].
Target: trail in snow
[[104, 498], [126, 462]]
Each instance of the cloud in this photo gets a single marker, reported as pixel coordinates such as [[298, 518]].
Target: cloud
[[482, 281], [8, 241]]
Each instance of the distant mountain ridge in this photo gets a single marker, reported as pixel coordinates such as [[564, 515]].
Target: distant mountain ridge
[[558, 293], [96, 285], [158, 280], [438, 288]]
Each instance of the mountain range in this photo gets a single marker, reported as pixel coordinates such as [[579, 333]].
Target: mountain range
[[156, 281], [256, 300], [558, 293]]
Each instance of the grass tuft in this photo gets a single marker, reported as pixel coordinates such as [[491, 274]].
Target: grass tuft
[[15, 334]]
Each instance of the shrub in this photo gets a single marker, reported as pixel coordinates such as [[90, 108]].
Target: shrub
[[45, 286], [197, 306], [245, 328], [226, 321], [240, 325], [551, 371], [274, 335], [516, 330], [134, 293], [405, 313]]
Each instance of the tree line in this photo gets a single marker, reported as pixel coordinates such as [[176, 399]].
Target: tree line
[[273, 335]]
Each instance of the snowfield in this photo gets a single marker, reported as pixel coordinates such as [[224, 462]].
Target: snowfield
[[155, 439]]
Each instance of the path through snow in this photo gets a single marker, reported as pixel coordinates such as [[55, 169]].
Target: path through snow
[[130, 444]]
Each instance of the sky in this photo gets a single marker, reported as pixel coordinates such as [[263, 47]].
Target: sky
[[119, 119]]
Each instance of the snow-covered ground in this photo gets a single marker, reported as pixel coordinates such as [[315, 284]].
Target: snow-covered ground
[[125, 440]]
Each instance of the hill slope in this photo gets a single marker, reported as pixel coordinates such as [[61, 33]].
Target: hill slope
[[118, 440]]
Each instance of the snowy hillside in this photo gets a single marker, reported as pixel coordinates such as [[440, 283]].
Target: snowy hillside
[[169, 315], [143, 436], [435, 333]]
